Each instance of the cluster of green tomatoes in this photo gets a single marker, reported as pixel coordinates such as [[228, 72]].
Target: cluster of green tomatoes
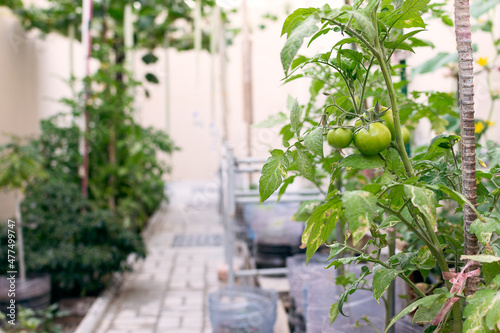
[[371, 139]]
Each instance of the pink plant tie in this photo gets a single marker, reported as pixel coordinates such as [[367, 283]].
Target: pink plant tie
[[458, 281]]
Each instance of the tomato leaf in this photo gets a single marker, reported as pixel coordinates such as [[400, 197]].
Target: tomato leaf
[[484, 230], [360, 161], [359, 210], [482, 311], [302, 29], [352, 288], [426, 314], [408, 15], [425, 301], [295, 19], [365, 23], [304, 162], [424, 200], [382, 280], [334, 312], [314, 141], [320, 225], [272, 174], [481, 258], [295, 113]]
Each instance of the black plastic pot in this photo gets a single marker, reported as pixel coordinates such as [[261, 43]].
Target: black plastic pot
[[34, 293]]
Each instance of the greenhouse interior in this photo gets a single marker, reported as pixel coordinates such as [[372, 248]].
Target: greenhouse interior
[[249, 166]]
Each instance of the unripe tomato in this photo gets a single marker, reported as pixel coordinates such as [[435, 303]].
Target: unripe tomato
[[406, 134], [389, 121], [339, 137], [374, 140]]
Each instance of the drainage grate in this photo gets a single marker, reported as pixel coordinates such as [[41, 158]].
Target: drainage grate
[[184, 240]]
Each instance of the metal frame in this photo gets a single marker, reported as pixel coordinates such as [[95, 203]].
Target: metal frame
[[230, 168]]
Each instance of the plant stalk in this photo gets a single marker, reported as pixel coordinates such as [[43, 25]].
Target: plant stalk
[[394, 106], [466, 104]]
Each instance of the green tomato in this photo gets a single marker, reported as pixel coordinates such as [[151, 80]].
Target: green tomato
[[374, 140], [406, 134], [339, 138], [389, 121]]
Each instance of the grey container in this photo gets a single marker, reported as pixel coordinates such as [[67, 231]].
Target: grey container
[[242, 310]]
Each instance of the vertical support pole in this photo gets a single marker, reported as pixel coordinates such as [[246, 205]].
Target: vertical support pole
[[167, 80], [20, 240], [87, 49], [223, 78], [226, 209], [247, 80], [231, 213]]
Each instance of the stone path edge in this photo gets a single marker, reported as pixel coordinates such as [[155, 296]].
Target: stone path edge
[[96, 312]]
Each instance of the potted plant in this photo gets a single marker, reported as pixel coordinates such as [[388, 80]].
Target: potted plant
[[20, 165]]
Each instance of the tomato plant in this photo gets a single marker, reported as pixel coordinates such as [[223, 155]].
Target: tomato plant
[[384, 192]]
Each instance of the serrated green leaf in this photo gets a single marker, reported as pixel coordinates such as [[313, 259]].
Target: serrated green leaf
[[295, 113], [284, 186], [425, 301], [424, 200], [335, 249], [272, 174], [272, 121], [365, 23], [320, 225], [295, 39], [426, 314], [359, 161], [359, 210], [408, 15], [393, 160], [304, 162], [481, 311], [424, 259], [314, 141], [478, 8], [334, 312], [342, 261], [305, 210], [295, 19], [372, 188], [352, 288], [382, 280], [481, 258], [396, 44], [349, 40], [484, 230]]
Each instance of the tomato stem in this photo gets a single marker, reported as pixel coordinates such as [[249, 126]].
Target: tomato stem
[[394, 105]]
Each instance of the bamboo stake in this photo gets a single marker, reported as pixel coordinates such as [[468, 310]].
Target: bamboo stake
[[466, 103]]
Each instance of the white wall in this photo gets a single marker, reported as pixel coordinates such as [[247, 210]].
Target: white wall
[[32, 70]]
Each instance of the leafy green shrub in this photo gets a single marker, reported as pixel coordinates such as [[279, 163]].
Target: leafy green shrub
[[79, 250]]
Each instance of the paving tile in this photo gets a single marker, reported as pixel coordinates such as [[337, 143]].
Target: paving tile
[[167, 291]]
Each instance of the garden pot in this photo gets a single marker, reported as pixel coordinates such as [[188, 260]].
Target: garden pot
[[242, 309], [34, 293]]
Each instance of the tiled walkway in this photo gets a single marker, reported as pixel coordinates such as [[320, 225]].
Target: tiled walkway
[[167, 291]]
